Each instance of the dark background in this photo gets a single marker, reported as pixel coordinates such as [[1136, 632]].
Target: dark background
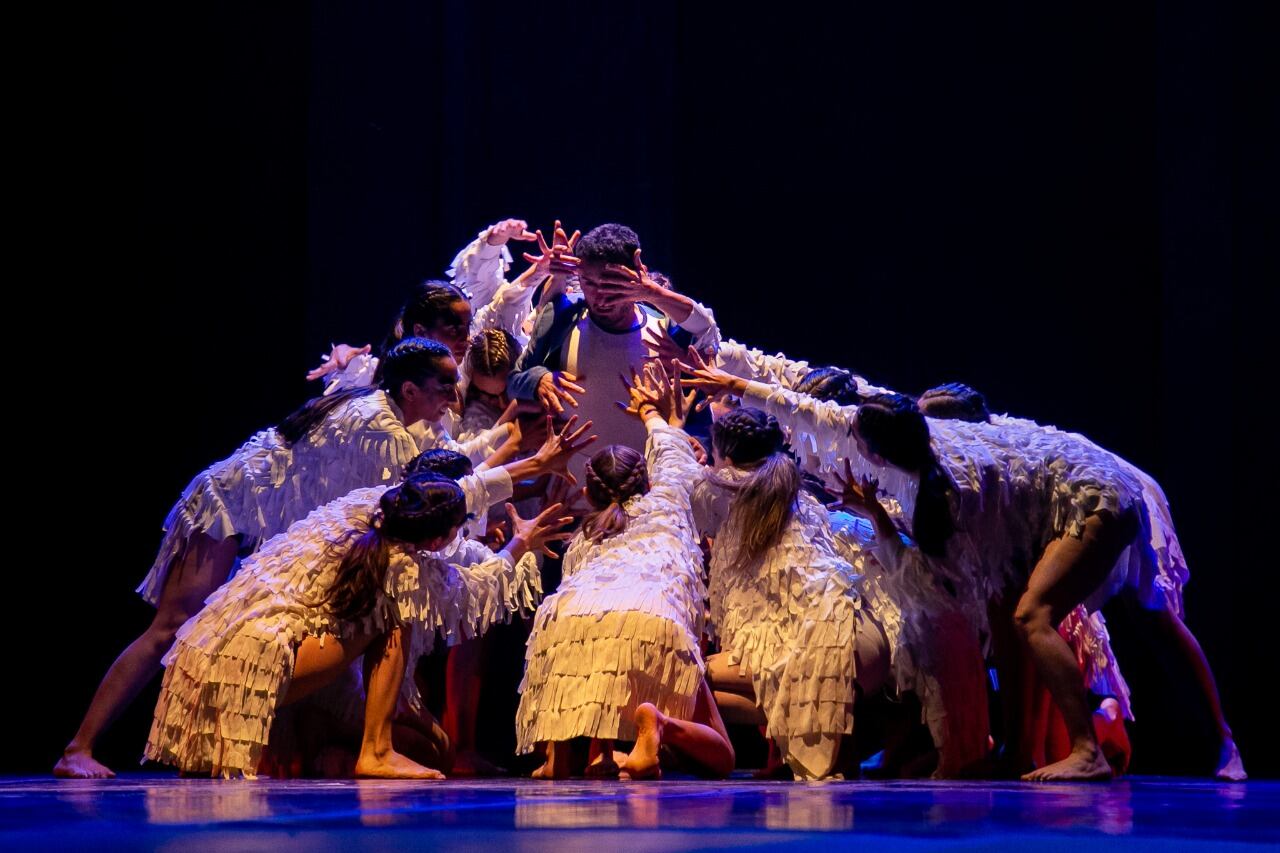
[[1036, 199]]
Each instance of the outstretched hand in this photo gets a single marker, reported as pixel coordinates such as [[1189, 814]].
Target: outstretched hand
[[508, 229], [554, 455], [337, 359], [535, 533], [706, 377], [558, 258], [557, 388]]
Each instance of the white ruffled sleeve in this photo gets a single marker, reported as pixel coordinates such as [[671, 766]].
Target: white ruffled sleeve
[[508, 310], [357, 374], [701, 323], [673, 469], [820, 432], [479, 269], [754, 364]]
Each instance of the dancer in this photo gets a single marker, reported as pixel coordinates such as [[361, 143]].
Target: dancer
[[342, 442], [351, 578], [784, 605], [580, 344], [995, 510], [614, 652]]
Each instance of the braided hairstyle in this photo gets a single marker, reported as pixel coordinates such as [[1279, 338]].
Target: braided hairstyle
[[955, 401], [492, 352], [830, 383], [426, 506], [412, 360], [893, 428], [613, 475], [438, 460], [766, 500]]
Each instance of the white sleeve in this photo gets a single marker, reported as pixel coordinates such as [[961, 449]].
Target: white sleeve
[[701, 323], [479, 269], [485, 488], [357, 374], [754, 364], [673, 469], [481, 446], [510, 307]]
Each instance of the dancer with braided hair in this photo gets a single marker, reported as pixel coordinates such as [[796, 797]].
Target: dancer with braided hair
[[614, 652], [440, 312], [355, 577], [1009, 512], [330, 446], [785, 606]]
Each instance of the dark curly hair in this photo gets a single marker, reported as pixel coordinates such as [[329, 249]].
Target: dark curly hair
[[438, 460], [830, 383], [608, 244]]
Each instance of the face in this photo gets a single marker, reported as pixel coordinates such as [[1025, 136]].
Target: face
[[490, 389], [865, 449], [452, 329], [603, 299], [431, 399]]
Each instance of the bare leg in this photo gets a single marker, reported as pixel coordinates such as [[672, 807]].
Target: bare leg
[[702, 739], [462, 702], [203, 567], [557, 763], [600, 761], [1068, 571], [385, 665], [1180, 642]]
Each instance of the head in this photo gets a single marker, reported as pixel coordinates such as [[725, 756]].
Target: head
[[599, 247], [955, 401], [490, 359], [890, 430], [422, 513], [752, 440], [421, 375], [830, 383], [614, 475], [438, 311], [446, 463]]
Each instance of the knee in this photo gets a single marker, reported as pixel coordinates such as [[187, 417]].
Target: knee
[[162, 630], [1032, 616]]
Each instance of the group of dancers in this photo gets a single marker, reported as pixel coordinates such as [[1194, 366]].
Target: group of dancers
[[741, 537]]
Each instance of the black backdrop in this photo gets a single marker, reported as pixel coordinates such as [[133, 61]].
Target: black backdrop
[[1034, 199]]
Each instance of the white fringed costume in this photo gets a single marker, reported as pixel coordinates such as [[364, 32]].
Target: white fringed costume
[[1018, 486], [265, 486], [232, 662], [624, 626], [790, 620]]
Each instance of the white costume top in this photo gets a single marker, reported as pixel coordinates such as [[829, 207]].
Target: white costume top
[[265, 485], [1158, 584], [232, 662], [624, 626], [789, 619], [1018, 486], [748, 363]]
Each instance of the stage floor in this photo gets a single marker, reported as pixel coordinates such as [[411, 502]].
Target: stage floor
[[510, 815]]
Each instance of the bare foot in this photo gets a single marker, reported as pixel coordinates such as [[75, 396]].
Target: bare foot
[[472, 763], [1230, 764], [76, 764], [642, 763], [557, 763], [393, 765], [1080, 766]]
